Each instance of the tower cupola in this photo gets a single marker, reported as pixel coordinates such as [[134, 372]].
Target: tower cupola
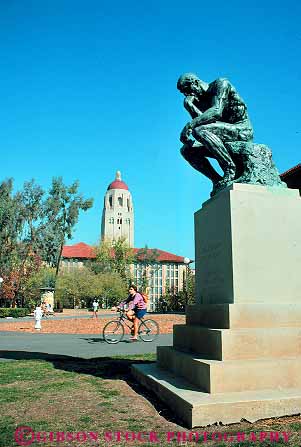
[[118, 212]]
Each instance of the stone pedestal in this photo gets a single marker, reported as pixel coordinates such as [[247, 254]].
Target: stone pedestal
[[248, 246], [239, 354]]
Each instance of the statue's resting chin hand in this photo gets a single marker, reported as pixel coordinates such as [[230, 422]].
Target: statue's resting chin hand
[[185, 139]]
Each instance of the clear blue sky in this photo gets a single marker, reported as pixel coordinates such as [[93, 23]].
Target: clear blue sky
[[89, 87]]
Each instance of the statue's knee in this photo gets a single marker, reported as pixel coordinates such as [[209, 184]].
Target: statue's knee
[[202, 133], [197, 132]]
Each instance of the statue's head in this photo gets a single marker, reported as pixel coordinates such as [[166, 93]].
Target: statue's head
[[189, 84]]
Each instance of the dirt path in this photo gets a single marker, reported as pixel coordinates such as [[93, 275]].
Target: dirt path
[[86, 325]]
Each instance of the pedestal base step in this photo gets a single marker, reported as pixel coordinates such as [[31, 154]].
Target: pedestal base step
[[196, 408], [238, 344], [248, 315], [216, 376]]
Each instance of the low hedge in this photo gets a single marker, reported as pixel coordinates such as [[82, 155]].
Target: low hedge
[[58, 310], [13, 312]]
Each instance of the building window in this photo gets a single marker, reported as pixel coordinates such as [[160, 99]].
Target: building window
[[172, 277], [111, 201], [111, 220], [120, 201]]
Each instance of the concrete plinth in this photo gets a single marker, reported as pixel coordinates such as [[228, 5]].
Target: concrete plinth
[[196, 408], [238, 344], [247, 246], [215, 376], [239, 354], [250, 315]]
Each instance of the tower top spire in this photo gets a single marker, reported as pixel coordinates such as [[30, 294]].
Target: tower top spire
[[118, 183], [118, 212]]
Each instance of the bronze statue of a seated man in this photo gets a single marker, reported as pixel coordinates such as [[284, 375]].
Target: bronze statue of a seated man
[[219, 116]]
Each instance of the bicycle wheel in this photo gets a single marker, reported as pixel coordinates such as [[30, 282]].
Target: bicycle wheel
[[113, 332], [148, 330]]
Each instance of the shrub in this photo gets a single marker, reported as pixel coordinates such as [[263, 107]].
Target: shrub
[[13, 312], [30, 304], [4, 312]]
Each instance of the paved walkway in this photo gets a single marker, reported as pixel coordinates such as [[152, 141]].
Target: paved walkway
[[82, 314], [56, 317], [68, 314], [38, 345]]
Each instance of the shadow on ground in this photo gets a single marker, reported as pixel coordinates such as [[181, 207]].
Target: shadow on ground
[[92, 340], [102, 367]]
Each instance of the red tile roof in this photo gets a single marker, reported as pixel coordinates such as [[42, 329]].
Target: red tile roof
[[85, 251], [79, 250], [291, 171], [164, 256]]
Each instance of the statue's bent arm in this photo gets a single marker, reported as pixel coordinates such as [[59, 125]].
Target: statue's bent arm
[[191, 108], [219, 99]]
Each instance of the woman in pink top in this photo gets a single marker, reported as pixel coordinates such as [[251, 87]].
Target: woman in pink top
[[136, 309]]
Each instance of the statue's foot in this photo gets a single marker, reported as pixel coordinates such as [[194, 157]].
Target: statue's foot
[[229, 175], [224, 182]]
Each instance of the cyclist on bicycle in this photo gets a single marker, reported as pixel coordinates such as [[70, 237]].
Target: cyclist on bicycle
[[136, 309]]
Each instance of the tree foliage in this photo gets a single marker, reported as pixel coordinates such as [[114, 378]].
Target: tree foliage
[[177, 300], [21, 215], [62, 208], [82, 286], [45, 277], [189, 286], [114, 257], [33, 228], [10, 226]]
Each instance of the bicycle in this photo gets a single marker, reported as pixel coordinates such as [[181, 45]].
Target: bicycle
[[113, 332]]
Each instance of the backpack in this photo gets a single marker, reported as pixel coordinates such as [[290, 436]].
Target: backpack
[[145, 297]]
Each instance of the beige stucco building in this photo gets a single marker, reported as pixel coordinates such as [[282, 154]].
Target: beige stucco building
[[166, 273]]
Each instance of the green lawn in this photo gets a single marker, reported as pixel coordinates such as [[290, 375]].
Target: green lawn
[[100, 398]]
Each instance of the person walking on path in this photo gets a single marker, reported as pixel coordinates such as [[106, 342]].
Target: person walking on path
[[95, 305]]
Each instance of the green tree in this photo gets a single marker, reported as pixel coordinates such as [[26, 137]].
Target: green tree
[[112, 257], [10, 226], [45, 277], [83, 286], [75, 286], [32, 214], [114, 288], [21, 217], [178, 300], [62, 208], [172, 298], [34, 228], [189, 286]]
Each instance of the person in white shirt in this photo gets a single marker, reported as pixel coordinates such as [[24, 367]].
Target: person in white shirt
[[95, 305]]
